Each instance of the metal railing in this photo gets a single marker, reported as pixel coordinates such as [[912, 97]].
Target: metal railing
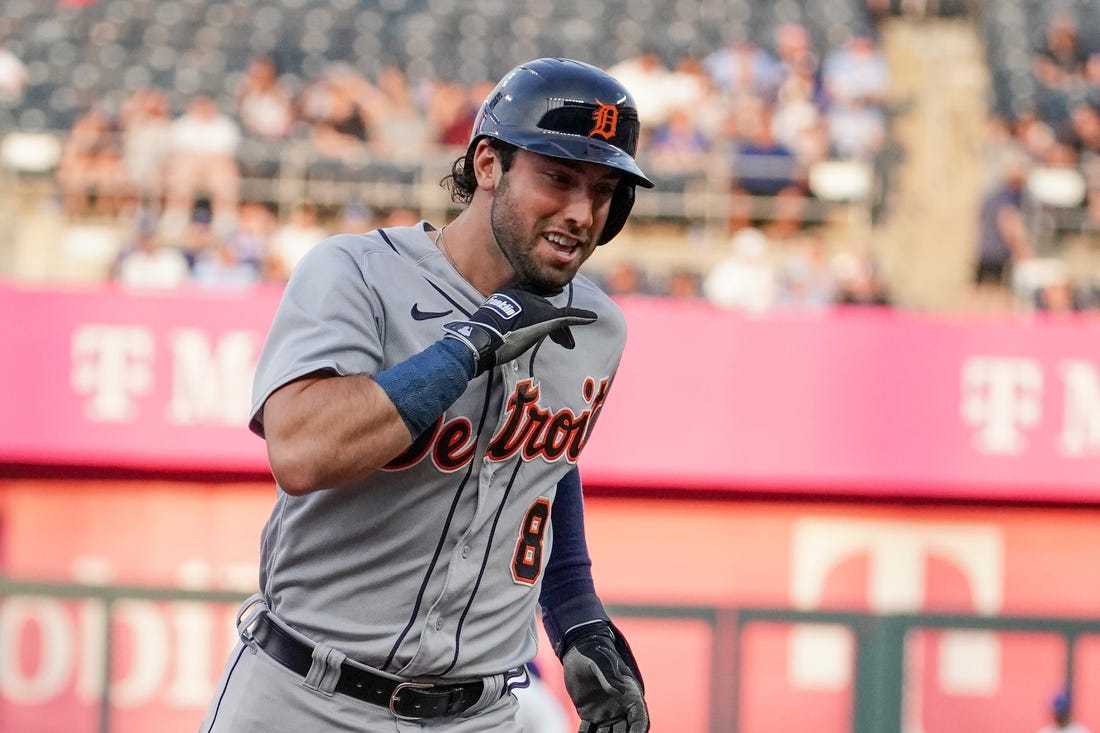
[[879, 677]]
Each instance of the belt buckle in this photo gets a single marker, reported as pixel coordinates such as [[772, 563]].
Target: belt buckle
[[395, 698]]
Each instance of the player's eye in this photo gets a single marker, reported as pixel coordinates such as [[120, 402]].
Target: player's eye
[[558, 177], [605, 190]]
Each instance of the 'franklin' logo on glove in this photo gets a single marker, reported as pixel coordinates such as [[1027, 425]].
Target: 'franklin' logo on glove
[[502, 304]]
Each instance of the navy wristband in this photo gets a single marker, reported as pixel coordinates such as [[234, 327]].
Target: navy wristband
[[426, 384], [567, 621]]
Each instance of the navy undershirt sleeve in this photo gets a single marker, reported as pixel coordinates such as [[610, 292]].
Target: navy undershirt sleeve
[[569, 569], [568, 596]]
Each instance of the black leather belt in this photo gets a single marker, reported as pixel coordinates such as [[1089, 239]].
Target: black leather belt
[[403, 699]]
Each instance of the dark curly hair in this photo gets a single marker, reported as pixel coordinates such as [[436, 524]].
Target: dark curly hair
[[461, 181]]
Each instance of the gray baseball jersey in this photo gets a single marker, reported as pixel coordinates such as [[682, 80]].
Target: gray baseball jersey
[[431, 566]]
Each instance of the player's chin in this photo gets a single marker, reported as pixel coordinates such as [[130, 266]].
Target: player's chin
[[550, 281]]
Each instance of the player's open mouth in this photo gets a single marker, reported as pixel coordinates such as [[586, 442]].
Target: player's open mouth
[[565, 247]]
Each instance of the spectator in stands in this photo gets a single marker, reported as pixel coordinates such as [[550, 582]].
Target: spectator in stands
[[797, 122], [399, 131], [805, 278], [678, 147], [763, 167], [684, 284], [300, 233], [1035, 136], [354, 218], [335, 108], [451, 112], [146, 143], [743, 69], [1059, 297], [1085, 120], [216, 262], [795, 54], [13, 77], [856, 131], [856, 78], [401, 216], [746, 279], [265, 106], [856, 73], [1003, 236], [1060, 60], [91, 171], [625, 277], [1092, 79], [1061, 712], [251, 237], [150, 265], [688, 87], [203, 161], [860, 280], [651, 82], [998, 142]]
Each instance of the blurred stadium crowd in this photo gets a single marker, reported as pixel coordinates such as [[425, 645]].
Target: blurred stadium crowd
[[219, 141]]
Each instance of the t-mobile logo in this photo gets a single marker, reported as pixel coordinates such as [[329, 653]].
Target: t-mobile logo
[[1001, 397], [112, 364], [897, 554]]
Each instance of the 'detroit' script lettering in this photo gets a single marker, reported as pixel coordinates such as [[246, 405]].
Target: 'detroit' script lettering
[[529, 430]]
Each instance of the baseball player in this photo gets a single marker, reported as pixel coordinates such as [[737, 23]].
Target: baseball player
[[425, 395]]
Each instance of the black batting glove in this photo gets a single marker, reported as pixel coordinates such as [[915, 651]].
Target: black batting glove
[[602, 680], [510, 322]]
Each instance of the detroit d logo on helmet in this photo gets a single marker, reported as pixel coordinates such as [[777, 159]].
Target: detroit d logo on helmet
[[605, 121]]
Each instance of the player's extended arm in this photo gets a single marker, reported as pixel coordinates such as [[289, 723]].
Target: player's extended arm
[[601, 674], [325, 431]]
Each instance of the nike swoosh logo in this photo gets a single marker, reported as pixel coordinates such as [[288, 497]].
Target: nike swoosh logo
[[419, 315]]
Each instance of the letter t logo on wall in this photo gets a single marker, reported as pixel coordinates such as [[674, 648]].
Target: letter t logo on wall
[[1001, 397], [112, 364], [897, 556]]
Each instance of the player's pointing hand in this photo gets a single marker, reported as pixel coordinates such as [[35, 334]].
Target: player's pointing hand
[[510, 322]]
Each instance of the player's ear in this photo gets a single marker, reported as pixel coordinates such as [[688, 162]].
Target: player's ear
[[487, 168]]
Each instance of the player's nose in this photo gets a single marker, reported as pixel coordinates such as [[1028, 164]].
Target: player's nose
[[580, 209]]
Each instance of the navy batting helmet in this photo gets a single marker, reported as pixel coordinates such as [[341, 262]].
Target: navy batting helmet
[[573, 110]]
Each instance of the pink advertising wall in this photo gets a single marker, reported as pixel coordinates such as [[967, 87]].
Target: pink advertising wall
[[863, 403]]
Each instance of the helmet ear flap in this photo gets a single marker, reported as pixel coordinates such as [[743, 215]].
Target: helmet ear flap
[[622, 201]]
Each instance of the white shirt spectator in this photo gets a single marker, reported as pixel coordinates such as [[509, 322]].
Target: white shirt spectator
[[205, 131], [746, 280], [292, 240], [151, 266], [857, 72], [264, 105], [652, 84], [856, 131]]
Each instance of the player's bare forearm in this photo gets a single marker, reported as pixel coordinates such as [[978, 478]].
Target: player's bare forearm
[[325, 432]]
